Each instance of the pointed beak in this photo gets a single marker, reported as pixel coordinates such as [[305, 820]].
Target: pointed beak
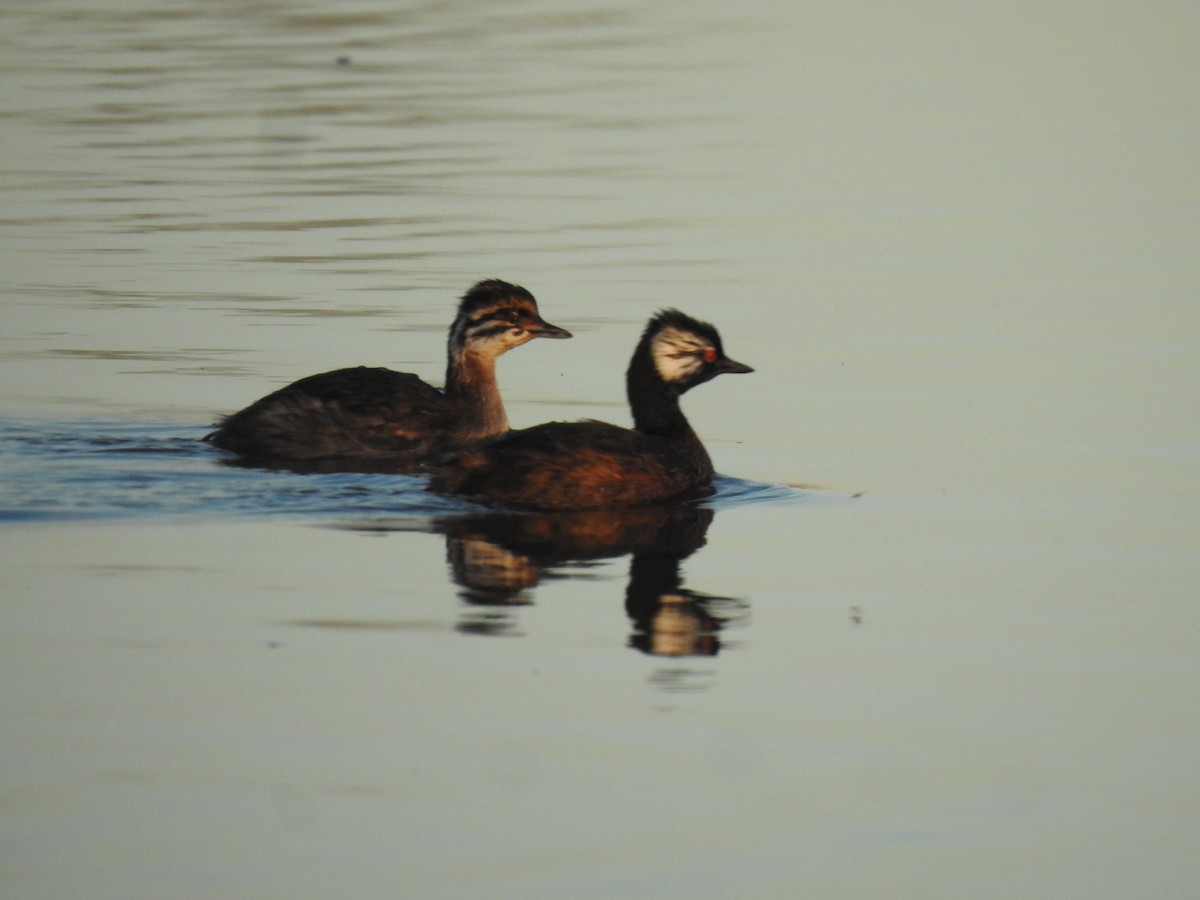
[[726, 366], [543, 329]]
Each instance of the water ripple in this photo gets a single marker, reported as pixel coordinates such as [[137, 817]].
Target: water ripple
[[56, 470]]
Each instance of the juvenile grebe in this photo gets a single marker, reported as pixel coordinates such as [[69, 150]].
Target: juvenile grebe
[[374, 412], [594, 465]]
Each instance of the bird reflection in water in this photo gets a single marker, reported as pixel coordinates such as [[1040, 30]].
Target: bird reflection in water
[[499, 558]]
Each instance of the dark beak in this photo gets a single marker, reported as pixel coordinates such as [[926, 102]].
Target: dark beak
[[726, 366], [543, 329]]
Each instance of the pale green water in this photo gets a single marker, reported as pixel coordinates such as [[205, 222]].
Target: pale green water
[[958, 246]]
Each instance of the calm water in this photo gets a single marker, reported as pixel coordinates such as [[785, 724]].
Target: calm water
[[935, 634]]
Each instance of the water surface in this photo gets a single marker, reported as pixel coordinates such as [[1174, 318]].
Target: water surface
[[935, 633]]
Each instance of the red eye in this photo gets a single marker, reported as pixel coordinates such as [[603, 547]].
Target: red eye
[[710, 355]]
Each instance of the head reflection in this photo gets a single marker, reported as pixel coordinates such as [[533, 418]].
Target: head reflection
[[498, 559], [668, 619]]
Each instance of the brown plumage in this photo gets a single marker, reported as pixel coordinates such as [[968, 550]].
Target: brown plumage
[[369, 413], [594, 465]]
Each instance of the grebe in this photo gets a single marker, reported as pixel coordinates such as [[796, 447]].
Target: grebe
[[594, 465], [374, 412]]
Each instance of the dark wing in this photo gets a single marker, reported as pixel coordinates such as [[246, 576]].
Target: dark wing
[[574, 465], [348, 412], [351, 386]]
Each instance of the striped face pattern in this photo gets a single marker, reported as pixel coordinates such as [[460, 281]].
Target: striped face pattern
[[494, 316], [499, 326], [679, 354]]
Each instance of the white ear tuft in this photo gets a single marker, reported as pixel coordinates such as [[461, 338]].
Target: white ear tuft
[[677, 354]]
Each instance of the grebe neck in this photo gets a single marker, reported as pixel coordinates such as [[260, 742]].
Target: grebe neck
[[653, 402], [471, 387]]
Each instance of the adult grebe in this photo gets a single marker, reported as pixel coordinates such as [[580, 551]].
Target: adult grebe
[[594, 465]]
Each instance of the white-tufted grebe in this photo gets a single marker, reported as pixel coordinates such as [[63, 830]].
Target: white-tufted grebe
[[366, 412], [594, 465]]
